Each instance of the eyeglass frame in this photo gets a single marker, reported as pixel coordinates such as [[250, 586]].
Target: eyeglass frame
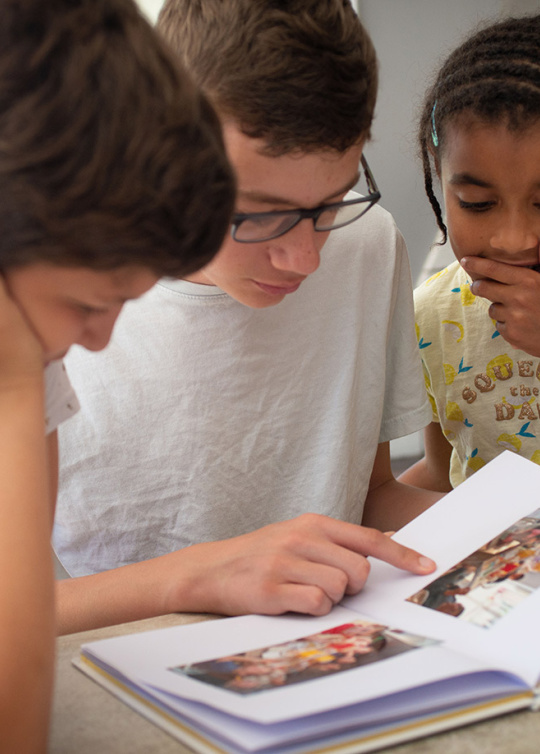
[[314, 213]]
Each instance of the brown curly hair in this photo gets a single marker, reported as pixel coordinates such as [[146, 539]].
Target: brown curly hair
[[109, 155], [299, 74]]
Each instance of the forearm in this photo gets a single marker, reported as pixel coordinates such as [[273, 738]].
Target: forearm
[[26, 591], [432, 472], [421, 475], [186, 580], [393, 504], [306, 564], [120, 595]]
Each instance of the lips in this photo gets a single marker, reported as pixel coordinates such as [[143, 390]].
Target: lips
[[278, 290]]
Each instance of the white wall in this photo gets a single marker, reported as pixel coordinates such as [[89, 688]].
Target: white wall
[[151, 8]]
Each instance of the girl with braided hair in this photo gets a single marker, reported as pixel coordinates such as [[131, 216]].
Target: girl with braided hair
[[478, 320]]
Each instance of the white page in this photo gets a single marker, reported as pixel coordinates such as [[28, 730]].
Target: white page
[[147, 658], [478, 510], [363, 717]]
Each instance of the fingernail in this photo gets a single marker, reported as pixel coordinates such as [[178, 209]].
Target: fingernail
[[427, 563]]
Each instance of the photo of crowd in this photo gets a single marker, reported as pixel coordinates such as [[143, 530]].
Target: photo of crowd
[[337, 649], [489, 583]]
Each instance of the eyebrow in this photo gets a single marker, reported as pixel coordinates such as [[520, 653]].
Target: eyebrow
[[466, 179], [263, 198]]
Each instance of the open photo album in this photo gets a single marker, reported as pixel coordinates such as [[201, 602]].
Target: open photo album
[[406, 657]]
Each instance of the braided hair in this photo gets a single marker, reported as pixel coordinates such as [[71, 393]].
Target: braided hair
[[493, 76]]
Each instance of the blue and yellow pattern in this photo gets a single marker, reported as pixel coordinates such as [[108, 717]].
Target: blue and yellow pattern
[[484, 393]]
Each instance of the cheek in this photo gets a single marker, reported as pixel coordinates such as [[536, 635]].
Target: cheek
[[321, 239], [464, 234], [24, 291], [56, 330], [466, 241], [235, 260], [34, 312]]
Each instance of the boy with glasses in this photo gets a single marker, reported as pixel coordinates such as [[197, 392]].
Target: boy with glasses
[[255, 422]]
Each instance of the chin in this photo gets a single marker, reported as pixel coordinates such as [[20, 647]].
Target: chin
[[54, 356], [274, 301], [257, 301]]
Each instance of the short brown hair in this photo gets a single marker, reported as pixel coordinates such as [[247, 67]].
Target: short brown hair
[[109, 155], [300, 74]]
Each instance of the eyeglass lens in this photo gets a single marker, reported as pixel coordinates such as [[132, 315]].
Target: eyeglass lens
[[337, 217], [265, 226]]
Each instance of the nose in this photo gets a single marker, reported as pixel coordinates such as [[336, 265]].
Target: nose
[[517, 232], [298, 250], [98, 330]]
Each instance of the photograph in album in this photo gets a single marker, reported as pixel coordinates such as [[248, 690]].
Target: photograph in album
[[493, 580], [335, 650]]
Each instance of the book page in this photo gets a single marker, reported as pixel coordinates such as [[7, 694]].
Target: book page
[[483, 599], [270, 669]]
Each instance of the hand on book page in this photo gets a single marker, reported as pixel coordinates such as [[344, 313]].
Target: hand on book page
[[306, 565]]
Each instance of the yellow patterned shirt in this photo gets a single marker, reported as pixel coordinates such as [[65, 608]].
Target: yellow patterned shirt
[[484, 393]]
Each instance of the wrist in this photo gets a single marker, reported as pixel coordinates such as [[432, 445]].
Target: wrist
[[192, 584]]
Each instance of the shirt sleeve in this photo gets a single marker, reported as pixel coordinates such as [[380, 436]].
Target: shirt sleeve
[[60, 400], [406, 408]]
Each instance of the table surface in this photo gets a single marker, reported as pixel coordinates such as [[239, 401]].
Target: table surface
[[88, 720]]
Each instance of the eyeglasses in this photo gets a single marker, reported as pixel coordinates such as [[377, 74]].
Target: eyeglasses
[[253, 227]]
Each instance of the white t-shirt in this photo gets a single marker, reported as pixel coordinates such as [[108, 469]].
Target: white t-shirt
[[60, 399], [205, 419]]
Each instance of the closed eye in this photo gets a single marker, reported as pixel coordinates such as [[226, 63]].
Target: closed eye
[[476, 206], [88, 310]]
